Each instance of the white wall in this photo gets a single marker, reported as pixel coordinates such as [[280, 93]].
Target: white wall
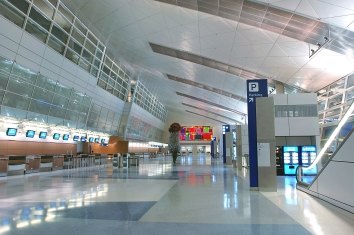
[[296, 126]]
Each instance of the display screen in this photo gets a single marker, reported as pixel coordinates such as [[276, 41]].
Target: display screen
[[83, 139], [91, 139], [65, 137], [197, 133], [11, 131], [290, 149], [42, 135], [308, 148], [76, 137], [30, 133], [56, 136], [97, 140]]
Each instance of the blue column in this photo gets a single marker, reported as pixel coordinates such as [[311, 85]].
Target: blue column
[[255, 88]]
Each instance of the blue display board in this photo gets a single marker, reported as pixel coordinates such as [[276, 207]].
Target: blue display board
[[255, 88]]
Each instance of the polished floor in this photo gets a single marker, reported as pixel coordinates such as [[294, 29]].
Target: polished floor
[[197, 196]]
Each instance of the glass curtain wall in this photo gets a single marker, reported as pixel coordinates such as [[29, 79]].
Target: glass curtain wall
[[55, 25], [333, 101], [145, 99], [25, 94]]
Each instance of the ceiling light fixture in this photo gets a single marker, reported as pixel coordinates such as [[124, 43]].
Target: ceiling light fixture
[[319, 46]]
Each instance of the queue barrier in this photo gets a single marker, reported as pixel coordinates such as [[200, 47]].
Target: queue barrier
[[17, 165]]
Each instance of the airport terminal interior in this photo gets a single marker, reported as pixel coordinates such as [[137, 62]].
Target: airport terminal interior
[[176, 116]]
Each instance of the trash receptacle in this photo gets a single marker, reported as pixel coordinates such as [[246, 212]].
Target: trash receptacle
[[117, 160], [125, 160]]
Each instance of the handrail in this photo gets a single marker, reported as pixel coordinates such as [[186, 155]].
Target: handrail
[[301, 169]]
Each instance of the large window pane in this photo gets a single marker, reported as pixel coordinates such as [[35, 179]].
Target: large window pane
[[13, 112], [86, 101], [37, 117], [99, 54], [46, 83], [44, 7], [63, 90], [73, 116], [63, 10], [101, 84], [78, 36], [92, 38], [2, 93], [21, 5], [80, 27], [57, 112], [20, 87], [55, 121], [59, 34], [56, 44], [38, 106], [36, 30], [62, 22], [87, 56], [94, 71], [75, 46], [90, 47], [85, 65], [334, 101], [12, 13], [42, 95], [4, 75], [53, 2], [39, 18], [16, 101], [71, 55], [24, 74], [60, 101]]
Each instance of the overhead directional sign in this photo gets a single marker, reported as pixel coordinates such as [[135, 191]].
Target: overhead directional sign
[[255, 88]]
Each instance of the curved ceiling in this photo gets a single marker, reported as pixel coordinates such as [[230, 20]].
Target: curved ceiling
[[196, 55]]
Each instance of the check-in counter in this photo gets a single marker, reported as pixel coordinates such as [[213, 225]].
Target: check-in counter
[[46, 163], [16, 165], [4, 160], [33, 163], [58, 163]]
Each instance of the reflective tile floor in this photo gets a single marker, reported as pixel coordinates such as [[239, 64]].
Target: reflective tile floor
[[197, 196]]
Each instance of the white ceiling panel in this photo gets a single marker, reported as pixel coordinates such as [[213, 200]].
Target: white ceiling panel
[[286, 4], [249, 48]]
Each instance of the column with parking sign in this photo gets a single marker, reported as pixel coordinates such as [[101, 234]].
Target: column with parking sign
[[255, 88]]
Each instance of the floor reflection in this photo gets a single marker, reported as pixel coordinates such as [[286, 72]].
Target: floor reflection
[[35, 213]]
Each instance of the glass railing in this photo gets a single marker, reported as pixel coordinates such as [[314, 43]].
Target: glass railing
[[305, 175]]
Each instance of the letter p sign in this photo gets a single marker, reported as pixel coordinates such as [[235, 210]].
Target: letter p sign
[[253, 87]]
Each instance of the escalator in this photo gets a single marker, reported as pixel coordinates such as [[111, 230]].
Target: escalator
[[334, 182]]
